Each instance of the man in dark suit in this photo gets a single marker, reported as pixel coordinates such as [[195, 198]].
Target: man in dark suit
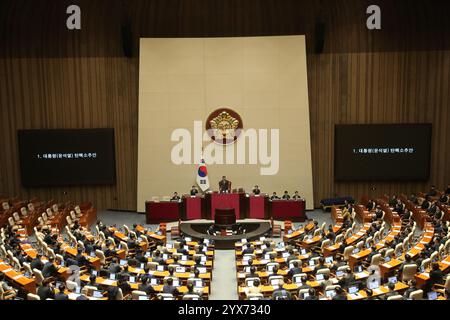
[[157, 257], [170, 288], [175, 197], [256, 190], [114, 267], [224, 185], [81, 259], [49, 269], [296, 196], [312, 295], [61, 295], [45, 291], [295, 270], [340, 294], [432, 192], [286, 196], [274, 196], [194, 191], [37, 263], [145, 286]]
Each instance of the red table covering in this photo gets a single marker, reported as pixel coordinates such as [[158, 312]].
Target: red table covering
[[162, 211], [288, 209], [225, 201], [256, 207], [193, 208]]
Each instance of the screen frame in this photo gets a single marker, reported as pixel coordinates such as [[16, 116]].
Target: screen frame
[[93, 182], [378, 179]]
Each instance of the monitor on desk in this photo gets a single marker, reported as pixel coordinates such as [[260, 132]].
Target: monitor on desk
[[432, 295], [353, 289]]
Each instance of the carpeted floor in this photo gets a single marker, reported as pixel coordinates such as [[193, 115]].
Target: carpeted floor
[[224, 284]]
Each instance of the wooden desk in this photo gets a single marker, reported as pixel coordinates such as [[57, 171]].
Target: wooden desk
[[18, 278]]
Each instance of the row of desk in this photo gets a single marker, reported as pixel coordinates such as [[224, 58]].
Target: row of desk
[[245, 206]]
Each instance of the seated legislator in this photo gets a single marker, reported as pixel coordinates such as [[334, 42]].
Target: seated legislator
[[274, 196], [432, 192], [224, 185], [194, 191], [296, 196], [175, 197], [256, 190], [447, 190], [286, 196]]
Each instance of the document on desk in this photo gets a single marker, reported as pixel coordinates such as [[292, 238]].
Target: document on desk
[[108, 282]]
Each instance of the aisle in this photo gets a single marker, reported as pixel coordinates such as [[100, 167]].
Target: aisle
[[224, 283]]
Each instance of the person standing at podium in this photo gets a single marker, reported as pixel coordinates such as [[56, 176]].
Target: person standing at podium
[[224, 185], [256, 191], [194, 191]]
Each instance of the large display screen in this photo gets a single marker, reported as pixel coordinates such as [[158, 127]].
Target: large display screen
[[67, 157], [382, 152]]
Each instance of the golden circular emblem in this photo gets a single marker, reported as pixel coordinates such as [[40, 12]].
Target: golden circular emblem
[[224, 126]]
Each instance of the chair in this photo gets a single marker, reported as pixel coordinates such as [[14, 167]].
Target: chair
[[119, 295], [165, 296], [396, 297], [11, 222], [442, 288], [88, 290], [31, 296], [416, 295], [69, 222], [360, 245], [323, 271], [17, 218], [389, 253], [101, 256], [339, 238], [5, 206], [255, 296], [7, 295], [376, 259], [434, 256], [250, 279], [348, 252], [127, 230], [191, 297], [71, 285], [425, 263], [408, 272], [152, 266], [39, 278], [135, 294], [326, 243]]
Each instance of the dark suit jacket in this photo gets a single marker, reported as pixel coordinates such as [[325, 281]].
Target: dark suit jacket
[[147, 288], [45, 293], [224, 185], [170, 289], [61, 296], [37, 264], [49, 270]]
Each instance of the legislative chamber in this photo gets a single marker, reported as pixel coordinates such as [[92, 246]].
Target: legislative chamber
[[215, 159]]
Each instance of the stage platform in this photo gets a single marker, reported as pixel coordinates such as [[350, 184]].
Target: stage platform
[[198, 230]]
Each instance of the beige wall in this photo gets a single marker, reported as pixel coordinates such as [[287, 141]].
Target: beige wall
[[183, 80]]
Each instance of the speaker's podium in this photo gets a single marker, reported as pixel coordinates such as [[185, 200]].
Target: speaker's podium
[[225, 217]]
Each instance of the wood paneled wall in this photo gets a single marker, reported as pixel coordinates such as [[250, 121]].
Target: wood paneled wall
[[54, 78]]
